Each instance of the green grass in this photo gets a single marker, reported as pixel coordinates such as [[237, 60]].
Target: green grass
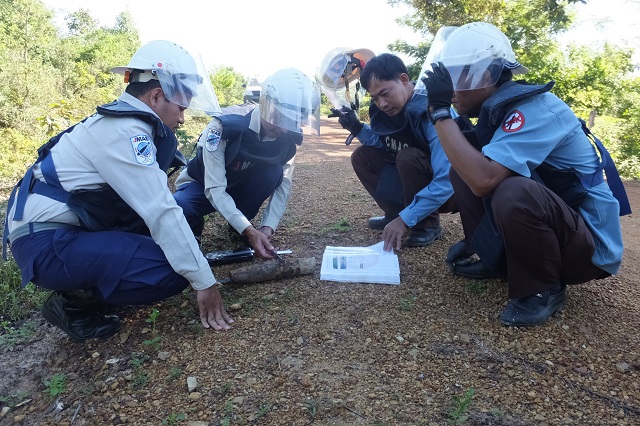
[[407, 303], [342, 225], [14, 398], [312, 407], [175, 373], [16, 303]]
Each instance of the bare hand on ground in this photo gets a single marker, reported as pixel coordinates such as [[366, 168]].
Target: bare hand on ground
[[212, 312]]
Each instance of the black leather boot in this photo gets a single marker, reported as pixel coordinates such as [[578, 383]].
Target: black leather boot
[[80, 314]]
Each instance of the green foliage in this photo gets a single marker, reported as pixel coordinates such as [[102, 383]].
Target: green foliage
[[140, 375], [311, 406], [12, 336], [228, 413], [407, 303], [152, 319], [51, 82], [56, 384], [175, 373], [460, 405], [174, 419], [14, 398], [263, 410], [594, 82], [228, 85], [342, 225], [16, 303]]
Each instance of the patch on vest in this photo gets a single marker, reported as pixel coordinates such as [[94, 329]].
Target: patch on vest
[[514, 122], [213, 139], [143, 150]]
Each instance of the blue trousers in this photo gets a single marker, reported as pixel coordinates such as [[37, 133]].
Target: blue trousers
[[125, 268], [249, 189]]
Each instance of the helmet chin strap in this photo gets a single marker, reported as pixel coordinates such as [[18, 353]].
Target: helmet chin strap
[[353, 65]]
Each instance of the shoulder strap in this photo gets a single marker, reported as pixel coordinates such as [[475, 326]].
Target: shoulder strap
[[609, 167]]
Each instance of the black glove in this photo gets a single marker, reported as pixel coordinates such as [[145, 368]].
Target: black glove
[[439, 91], [347, 119]]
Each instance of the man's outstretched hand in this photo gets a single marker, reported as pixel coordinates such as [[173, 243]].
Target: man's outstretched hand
[[212, 312]]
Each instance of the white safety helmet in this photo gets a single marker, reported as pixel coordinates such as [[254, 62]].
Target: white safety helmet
[[475, 55], [183, 77], [433, 56], [291, 101], [342, 66]]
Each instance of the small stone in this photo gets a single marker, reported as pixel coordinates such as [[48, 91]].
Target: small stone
[[195, 395], [238, 400], [163, 355], [192, 383], [623, 367], [305, 381], [235, 307], [582, 370]]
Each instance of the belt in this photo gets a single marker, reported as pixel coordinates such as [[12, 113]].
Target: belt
[[33, 227]]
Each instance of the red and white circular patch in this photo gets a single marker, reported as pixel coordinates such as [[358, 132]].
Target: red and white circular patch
[[514, 122]]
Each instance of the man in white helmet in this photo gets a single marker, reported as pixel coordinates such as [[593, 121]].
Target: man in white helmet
[[246, 156], [528, 178], [93, 219]]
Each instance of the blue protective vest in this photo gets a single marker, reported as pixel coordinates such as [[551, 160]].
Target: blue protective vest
[[100, 209], [403, 130], [567, 183], [244, 146]]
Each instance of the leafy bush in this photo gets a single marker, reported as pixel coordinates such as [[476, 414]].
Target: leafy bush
[[17, 153]]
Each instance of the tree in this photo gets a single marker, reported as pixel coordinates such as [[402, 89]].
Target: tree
[[529, 25], [228, 85], [80, 22]]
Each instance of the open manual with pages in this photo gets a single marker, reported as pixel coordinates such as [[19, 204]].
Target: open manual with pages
[[360, 265]]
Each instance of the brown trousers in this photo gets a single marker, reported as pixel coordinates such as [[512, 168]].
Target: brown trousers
[[546, 241], [410, 172]]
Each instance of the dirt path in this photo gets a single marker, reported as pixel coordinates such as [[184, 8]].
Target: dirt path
[[306, 351]]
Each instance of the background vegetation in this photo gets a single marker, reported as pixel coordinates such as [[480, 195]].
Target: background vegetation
[[53, 77]]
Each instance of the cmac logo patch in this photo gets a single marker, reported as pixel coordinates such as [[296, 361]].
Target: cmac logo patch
[[213, 139], [142, 149], [514, 122]]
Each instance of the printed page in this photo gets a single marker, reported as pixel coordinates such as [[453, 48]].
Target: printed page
[[360, 264]]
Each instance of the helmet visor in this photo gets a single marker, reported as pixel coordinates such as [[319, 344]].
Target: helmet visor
[[433, 56], [475, 74], [292, 118], [185, 82], [334, 72]]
